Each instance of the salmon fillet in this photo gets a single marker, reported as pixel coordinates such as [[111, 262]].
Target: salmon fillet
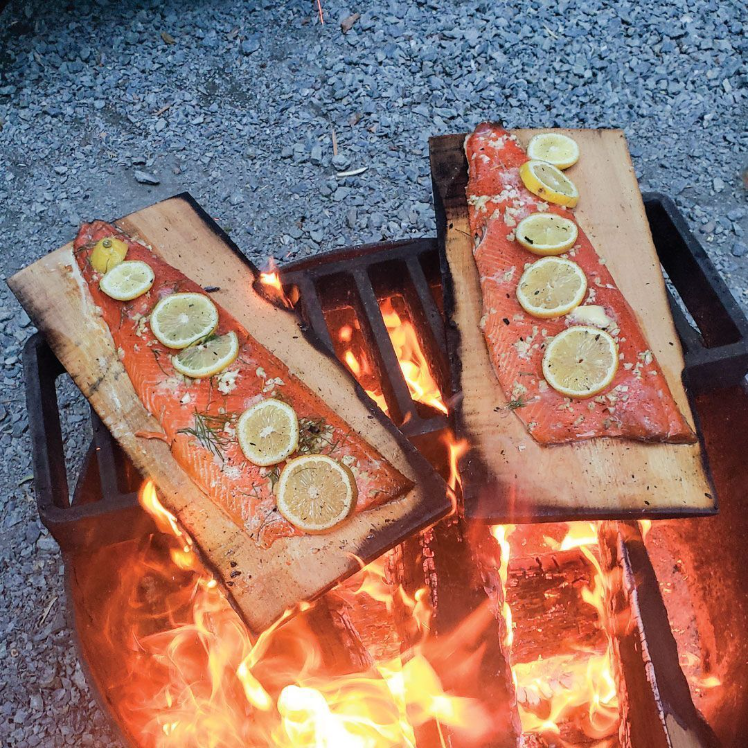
[[638, 403], [198, 416]]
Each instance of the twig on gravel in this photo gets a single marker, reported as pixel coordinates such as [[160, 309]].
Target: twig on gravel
[[351, 173], [334, 142], [46, 610], [162, 110]]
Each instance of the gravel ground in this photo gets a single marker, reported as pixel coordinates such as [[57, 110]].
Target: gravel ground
[[106, 107]]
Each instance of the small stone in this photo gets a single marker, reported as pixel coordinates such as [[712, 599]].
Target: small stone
[[316, 156], [250, 45], [145, 178], [718, 184], [46, 544], [32, 533], [347, 23], [341, 162], [739, 249], [160, 124]]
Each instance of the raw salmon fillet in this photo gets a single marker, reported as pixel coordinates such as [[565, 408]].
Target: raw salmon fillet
[[198, 416], [638, 403]]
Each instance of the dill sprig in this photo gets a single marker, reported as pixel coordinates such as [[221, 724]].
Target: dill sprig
[[316, 436], [209, 431]]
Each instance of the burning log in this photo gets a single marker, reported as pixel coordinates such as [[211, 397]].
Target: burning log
[[545, 595]]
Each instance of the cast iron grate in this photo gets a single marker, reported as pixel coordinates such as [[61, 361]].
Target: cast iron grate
[[104, 509]]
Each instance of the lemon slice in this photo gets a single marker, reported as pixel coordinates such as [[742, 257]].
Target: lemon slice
[[107, 253], [128, 280], [316, 493], [203, 360], [183, 318], [580, 361], [268, 432], [546, 233], [554, 148], [548, 182], [551, 287]]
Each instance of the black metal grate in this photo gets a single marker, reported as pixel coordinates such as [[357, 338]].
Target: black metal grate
[[104, 509]]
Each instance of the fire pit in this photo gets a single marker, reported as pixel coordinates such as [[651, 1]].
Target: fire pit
[[469, 635]]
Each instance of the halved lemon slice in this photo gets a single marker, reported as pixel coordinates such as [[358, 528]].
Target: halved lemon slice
[[551, 287], [107, 253], [183, 318], [546, 233], [316, 493], [128, 280], [580, 361], [268, 432], [554, 148], [203, 360], [548, 182]]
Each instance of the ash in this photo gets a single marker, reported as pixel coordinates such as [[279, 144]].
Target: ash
[[106, 107]]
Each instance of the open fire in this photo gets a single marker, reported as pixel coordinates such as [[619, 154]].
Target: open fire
[[184, 671], [398, 655]]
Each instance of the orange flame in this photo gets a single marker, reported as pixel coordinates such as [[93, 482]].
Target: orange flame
[[185, 673], [421, 383], [556, 689], [410, 355], [270, 278], [693, 669]]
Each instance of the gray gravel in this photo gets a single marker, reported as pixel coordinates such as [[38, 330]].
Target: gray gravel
[[106, 107]]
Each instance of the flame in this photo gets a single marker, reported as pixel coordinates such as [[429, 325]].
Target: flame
[[501, 533], [421, 383], [413, 364], [270, 278], [360, 366], [579, 686], [184, 672], [696, 672]]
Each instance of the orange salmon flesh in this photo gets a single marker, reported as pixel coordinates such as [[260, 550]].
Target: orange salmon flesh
[[638, 403], [198, 416]]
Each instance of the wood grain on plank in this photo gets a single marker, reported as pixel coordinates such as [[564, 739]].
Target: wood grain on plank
[[507, 475], [269, 581]]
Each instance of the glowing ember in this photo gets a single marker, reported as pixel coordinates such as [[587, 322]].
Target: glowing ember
[[573, 686], [184, 671], [422, 385]]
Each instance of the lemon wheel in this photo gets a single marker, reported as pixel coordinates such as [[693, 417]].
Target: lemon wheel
[[268, 432], [203, 360], [580, 361], [551, 287], [546, 234], [182, 319], [554, 148], [549, 183], [128, 280], [316, 493]]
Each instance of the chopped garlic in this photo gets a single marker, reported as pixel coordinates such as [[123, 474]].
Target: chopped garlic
[[226, 382], [590, 314]]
